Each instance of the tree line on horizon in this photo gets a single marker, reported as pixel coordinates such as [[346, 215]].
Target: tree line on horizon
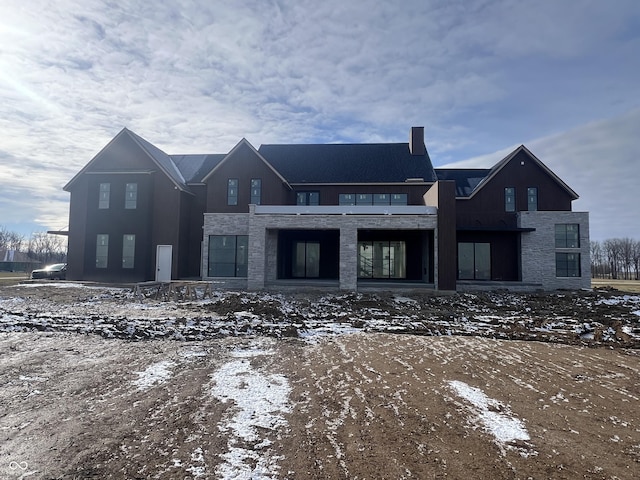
[[40, 246], [615, 258]]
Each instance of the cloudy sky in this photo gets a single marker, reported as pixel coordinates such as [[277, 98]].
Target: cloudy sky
[[482, 77]]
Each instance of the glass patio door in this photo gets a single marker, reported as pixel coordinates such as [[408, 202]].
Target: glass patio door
[[306, 259], [474, 261]]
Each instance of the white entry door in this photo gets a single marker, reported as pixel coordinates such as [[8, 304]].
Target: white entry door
[[163, 263]]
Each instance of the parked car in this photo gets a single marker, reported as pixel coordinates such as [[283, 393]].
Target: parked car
[[53, 272]]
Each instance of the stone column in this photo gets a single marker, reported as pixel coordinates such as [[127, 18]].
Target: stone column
[[348, 257]]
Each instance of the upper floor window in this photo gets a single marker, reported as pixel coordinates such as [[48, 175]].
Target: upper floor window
[[532, 199], [128, 250], [381, 199], [364, 199], [102, 250], [131, 196], [232, 191], [308, 198], [568, 235], [399, 199], [103, 196], [372, 199], [510, 199], [256, 191], [347, 199]]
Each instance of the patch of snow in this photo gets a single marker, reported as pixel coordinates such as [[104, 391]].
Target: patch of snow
[[494, 415], [155, 374], [405, 300], [260, 402]]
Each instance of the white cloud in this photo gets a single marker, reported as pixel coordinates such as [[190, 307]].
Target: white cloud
[[196, 77]]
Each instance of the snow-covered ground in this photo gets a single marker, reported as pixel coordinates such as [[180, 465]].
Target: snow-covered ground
[[598, 318], [291, 386]]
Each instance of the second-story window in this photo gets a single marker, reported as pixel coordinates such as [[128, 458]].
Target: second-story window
[[232, 191], [256, 191], [131, 196], [103, 196], [399, 199], [532, 199], [510, 199], [347, 199], [308, 198]]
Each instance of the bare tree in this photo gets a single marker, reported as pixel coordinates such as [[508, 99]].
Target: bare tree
[[15, 241], [626, 256], [636, 259], [46, 248], [4, 236], [612, 250], [597, 259]]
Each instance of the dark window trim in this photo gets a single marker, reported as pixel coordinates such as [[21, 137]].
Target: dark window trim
[[232, 196], [104, 200], [563, 269], [256, 198], [129, 261], [102, 265], [308, 197], [509, 194], [532, 206], [562, 235], [131, 202], [237, 261]]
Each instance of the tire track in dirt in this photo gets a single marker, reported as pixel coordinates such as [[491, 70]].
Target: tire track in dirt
[[380, 406]]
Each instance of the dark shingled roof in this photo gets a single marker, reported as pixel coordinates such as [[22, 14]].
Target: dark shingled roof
[[466, 179], [194, 167], [348, 163]]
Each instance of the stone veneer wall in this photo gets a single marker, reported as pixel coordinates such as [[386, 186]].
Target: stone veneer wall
[[262, 230], [539, 250]]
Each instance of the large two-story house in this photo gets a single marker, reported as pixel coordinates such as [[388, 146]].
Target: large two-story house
[[337, 215]]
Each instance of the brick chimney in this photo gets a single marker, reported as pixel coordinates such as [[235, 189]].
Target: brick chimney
[[416, 141]]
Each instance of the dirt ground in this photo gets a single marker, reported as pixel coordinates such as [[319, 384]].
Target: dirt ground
[[359, 405]]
